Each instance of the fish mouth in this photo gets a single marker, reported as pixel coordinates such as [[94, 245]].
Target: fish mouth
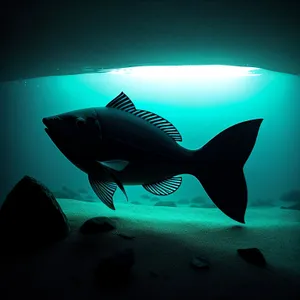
[[46, 122]]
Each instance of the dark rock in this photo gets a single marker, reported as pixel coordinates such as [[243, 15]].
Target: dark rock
[[292, 207], [253, 256], [135, 202], [145, 196], [115, 269], [197, 200], [166, 203], [262, 203], [291, 196], [97, 225], [199, 263], [125, 236], [208, 205], [195, 206], [30, 217], [237, 227], [203, 205], [183, 201]]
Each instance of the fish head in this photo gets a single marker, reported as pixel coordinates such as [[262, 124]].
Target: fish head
[[74, 126], [76, 134]]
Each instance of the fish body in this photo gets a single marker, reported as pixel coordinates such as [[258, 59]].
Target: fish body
[[119, 145]]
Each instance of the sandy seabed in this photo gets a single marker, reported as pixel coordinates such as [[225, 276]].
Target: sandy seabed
[[165, 241]]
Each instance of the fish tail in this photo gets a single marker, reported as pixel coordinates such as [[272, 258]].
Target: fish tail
[[219, 167]]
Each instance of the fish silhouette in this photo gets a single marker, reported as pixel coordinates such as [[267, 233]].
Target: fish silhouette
[[119, 145]]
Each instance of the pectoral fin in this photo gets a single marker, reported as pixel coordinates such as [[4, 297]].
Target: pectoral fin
[[117, 165], [104, 190]]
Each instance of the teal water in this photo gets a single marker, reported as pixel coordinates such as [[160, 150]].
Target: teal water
[[199, 107]]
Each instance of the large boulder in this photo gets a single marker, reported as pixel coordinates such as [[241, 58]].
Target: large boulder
[[30, 217]]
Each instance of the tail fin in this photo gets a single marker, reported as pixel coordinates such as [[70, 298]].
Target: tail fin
[[221, 162]]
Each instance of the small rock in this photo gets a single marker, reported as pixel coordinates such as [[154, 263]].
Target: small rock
[[197, 200], [30, 217], [166, 203], [291, 196], [145, 196], [262, 203], [292, 207], [199, 263], [125, 236], [195, 206], [97, 225], [253, 256], [116, 268], [208, 205], [136, 202]]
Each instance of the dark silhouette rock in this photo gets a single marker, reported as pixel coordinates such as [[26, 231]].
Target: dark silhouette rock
[[262, 203], [197, 200], [253, 256], [145, 196], [195, 206], [115, 269], [135, 202], [208, 205], [291, 196], [203, 205], [166, 203], [30, 217], [97, 225], [125, 236], [198, 262], [292, 207]]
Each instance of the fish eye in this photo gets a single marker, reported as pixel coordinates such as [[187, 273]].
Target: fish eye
[[80, 122]]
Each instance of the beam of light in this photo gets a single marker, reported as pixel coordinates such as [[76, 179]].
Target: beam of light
[[194, 71]]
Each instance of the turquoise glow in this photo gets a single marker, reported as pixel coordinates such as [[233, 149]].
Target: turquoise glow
[[200, 101]]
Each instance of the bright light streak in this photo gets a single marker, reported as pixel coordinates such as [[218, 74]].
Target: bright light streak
[[209, 71]]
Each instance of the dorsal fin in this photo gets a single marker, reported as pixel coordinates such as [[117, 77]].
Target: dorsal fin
[[122, 102], [159, 122]]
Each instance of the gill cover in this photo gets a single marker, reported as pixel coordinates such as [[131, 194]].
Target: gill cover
[[89, 126]]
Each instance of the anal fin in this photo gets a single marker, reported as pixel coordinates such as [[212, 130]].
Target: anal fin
[[165, 187], [114, 178]]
